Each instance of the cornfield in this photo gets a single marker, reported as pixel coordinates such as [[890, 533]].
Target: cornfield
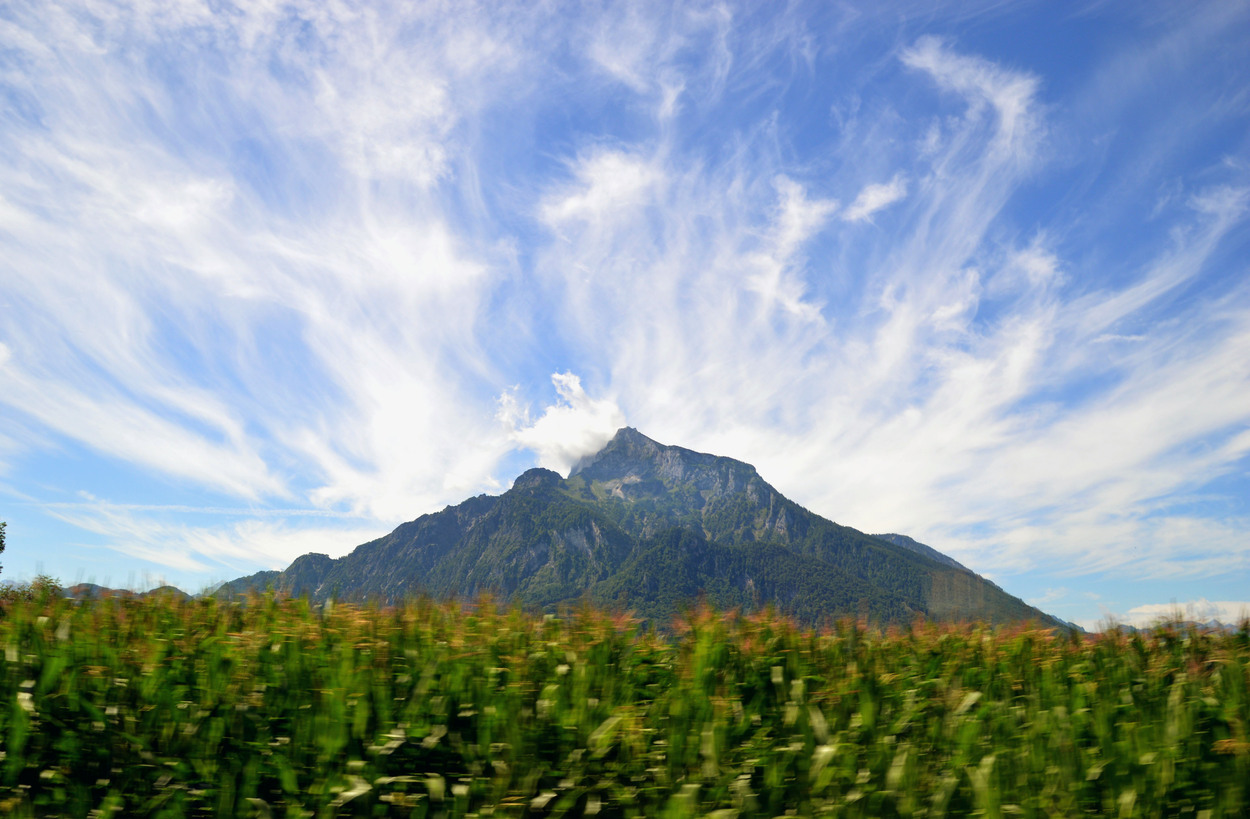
[[276, 708]]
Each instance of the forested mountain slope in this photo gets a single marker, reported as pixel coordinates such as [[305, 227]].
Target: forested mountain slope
[[650, 527]]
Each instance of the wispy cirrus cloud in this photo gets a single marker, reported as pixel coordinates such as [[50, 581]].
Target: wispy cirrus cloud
[[874, 198], [155, 536], [172, 311]]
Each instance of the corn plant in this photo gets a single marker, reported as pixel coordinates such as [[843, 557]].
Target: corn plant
[[273, 707]]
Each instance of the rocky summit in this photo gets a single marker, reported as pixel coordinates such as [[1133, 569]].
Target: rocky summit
[[651, 528]]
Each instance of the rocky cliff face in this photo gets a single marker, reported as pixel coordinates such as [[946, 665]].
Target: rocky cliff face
[[648, 527], [632, 466]]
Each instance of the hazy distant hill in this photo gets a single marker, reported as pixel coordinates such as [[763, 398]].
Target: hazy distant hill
[[87, 591], [650, 527]]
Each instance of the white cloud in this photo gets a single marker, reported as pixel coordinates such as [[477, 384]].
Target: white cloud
[[1027, 270], [573, 427], [212, 552], [980, 82], [645, 53], [779, 281], [174, 313], [120, 428], [874, 198], [1229, 612], [1051, 596], [607, 183], [626, 47]]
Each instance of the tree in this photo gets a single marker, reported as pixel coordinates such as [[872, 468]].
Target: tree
[[2, 525]]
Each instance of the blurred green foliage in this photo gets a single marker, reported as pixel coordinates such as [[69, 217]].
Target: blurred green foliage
[[161, 707], [43, 589]]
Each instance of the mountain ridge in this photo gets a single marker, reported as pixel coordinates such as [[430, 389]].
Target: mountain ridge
[[649, 526]]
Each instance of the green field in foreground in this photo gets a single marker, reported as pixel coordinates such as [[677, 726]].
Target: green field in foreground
[[160, 708]]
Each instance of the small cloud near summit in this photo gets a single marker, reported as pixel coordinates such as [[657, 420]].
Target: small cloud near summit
[[574, 426]]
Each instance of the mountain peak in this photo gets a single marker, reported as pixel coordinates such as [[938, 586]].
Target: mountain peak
[[632, 458], [627, 443], [536, 477], [629, 435], [628, 452]]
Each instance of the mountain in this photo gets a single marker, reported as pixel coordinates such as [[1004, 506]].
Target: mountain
[[650, 527], [91, 591]]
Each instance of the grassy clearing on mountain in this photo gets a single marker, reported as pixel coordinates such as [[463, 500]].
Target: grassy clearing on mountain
[[161, 707]]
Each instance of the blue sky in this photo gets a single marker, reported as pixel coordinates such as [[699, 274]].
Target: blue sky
[[276, 277]]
